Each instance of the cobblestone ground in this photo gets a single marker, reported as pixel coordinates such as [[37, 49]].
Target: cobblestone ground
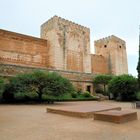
[[31, 122]]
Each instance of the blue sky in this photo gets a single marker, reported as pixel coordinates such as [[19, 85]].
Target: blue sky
[[103, 17]]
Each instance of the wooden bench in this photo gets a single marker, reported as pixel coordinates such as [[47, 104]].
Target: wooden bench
[[116, 116]]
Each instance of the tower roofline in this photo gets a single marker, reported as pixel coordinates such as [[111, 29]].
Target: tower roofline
[[67, 22], [109, 38]]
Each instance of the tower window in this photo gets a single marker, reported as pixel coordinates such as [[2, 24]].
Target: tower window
[[105, 46], [120, 46]]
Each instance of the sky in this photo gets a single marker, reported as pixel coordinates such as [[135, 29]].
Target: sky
[[104, 17]]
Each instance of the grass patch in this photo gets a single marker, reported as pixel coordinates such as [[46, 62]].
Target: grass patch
[[31, 98], [70, 97]]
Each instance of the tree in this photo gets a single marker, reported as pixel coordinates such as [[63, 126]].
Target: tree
[[138, 66], [123, 87], [1, 87], [102, 80], [39, 82], [58, 85], [30, 82]]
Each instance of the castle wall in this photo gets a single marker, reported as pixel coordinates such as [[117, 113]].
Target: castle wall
[[70, 44], [80, 80], [23, 50], [114, 51], [65, 49], [99, 64]]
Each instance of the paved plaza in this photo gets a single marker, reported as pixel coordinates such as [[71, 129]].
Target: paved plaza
[[31, 122]]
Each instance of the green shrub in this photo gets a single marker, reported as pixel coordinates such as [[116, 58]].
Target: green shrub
[[79, 91], [99, 90], [74, 95], [26, 83], [123, 87], [58, 85], [25, 95], [28, 86], [101, 82], [138, 96], [86, 94], [8, 94], [1, 87]]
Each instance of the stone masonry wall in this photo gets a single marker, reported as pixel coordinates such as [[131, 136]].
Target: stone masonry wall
[[114, 51], [79, 80], [99, 64], [65, 49], [70, 44], [23, 50]]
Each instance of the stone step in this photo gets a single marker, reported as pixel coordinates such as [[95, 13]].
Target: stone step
[[116, 116]]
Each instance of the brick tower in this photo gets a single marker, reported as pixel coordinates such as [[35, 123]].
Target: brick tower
[[70, 45], [114, 51]]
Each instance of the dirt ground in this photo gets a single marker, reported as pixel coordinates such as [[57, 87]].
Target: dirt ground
[[31, 122]]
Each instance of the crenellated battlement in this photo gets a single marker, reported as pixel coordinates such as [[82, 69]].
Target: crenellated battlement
[[56, 19], [109, 38]]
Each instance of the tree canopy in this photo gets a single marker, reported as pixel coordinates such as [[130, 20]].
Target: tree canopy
[[123, 87], [1, 87], [49, 83], [102, 80], [138, 66]]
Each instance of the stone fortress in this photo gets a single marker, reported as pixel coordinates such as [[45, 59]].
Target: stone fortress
[[64, 47]]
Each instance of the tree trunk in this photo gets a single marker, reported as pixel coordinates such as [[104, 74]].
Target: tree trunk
[[40, 97], [104, 89]]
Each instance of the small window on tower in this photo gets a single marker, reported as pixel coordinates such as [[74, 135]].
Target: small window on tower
[[120, 46], [105, 46]]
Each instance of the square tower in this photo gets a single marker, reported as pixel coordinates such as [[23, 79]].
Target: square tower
[[70, 45], [114, 51]]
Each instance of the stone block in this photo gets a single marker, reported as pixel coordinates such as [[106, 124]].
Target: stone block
[[116, 116]]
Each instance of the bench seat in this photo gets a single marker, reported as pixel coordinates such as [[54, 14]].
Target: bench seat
[[116, 116]]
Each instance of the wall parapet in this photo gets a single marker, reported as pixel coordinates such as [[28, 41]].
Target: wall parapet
[[109, 38], [22, 37], [66, 22]]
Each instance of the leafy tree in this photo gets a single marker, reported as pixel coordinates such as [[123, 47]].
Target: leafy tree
[[102, 80], [40, 83], [58, 85], [31, 82], [1, 87], [123, 87], [138, 66]]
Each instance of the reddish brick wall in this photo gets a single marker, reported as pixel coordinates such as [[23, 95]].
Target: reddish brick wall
[[99, 64], [23, 50], [75, 61], [70, 44], [114, 50]]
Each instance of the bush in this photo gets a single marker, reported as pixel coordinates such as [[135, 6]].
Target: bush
[[138, 96], [101, 82], [86, 94], [79, 91], [74, 95], [8, 94], [58, 85], [26, 96], [99, 90], [28, 86], [123, 87], [1, 87]]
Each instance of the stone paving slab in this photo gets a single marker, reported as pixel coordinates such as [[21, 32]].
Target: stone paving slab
[[116, 116], [83, 111]]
